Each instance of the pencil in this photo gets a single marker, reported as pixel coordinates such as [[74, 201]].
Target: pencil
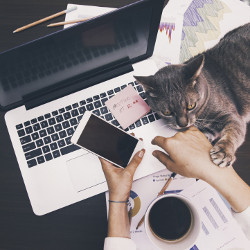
[[45, 19], [160, 193], [67, 22]]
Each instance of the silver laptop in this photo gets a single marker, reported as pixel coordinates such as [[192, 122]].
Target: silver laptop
[[48, 84]]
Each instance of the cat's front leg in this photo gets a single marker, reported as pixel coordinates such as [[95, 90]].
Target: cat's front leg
[[232, 136]]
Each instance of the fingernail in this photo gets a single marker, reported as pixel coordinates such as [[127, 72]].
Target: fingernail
[[141, 153], [154, 153]]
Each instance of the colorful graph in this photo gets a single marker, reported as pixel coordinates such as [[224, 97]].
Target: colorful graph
[[168, 27], [201, 23], [134, 203]]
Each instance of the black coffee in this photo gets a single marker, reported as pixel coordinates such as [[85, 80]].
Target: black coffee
[[170, 218]]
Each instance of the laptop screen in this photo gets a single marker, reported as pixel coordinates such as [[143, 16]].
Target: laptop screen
[[121, 36]]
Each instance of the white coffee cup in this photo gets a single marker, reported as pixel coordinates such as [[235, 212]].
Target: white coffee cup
[[186, 241]]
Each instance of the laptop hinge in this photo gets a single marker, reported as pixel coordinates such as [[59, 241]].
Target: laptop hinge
[[49, 94]]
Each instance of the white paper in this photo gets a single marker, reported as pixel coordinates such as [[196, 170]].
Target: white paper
[[84, 11], [143, 192], [219, 228]]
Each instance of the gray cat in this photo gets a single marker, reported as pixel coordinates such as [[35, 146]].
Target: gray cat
[[210, 91]]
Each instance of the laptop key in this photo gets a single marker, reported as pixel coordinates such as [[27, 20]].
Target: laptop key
[[58, 127], [62, 110], [50, 130], [83, 102], [115, 122], [19, 126], [46, 149], [67, 115], [47, 140], [69, 149], [21, 132], [89, 100], [33, 154], [82, 110], [117, 89], [73, 121], [90, 106], [59, 118], [132, 126], [44, 124], [31, 163], [104, 101], [70, 131], [102, 95], [104, 110], [52, 121], [145, 120], [68, 140], [48, 157], [97, 112], [35, 136], [25, 139], [61, 143], [56, 153], [40, 160], [53, 146], [29, 146], [39, 143], [47, 116], [54, 113], [40, 118], [43, 133], [108, 117], [110, 92], [138, 124], [96, 97], [97, 104], [123, 86], [75, 105], [74, 112], [33, 121], [68, 108], [151, 118], [55, 137], [157, 116], [65, 124], [62, 134], [36, 127], [27, 123]]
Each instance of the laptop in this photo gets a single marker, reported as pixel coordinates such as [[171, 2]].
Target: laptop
[[46, 86]]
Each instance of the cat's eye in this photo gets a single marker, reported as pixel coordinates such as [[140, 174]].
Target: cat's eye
[[191, 106], [167, 113]]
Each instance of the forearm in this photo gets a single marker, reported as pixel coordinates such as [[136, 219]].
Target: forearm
[[118, 225], [231, 186]]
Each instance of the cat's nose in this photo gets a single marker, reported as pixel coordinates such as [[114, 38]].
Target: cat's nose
[[182, 122]]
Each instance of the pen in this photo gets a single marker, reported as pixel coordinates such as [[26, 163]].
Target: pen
[[68, 22], [45, 19], [160, 193]]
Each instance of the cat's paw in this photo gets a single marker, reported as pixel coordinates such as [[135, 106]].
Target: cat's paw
[[222, 155]]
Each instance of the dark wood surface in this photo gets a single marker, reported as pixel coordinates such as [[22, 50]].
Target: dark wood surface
[[82, 225]]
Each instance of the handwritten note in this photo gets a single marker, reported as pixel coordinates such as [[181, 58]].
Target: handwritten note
[[127, 106]]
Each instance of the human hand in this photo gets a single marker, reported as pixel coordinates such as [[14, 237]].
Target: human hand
[[120, 180], [189, 153]]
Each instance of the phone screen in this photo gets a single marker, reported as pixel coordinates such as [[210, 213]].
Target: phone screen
[[107, 141]]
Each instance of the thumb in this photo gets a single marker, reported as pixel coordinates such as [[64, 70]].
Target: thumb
[[134, 163]]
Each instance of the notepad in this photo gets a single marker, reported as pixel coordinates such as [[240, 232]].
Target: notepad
[[127, 106]]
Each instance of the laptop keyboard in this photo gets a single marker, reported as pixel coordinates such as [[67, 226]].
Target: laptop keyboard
[[49, 136]]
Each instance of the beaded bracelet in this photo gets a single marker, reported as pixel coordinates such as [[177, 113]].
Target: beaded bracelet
[[119, 201]]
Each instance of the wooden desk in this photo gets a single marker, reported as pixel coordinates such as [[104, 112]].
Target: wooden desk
[[82, 225]]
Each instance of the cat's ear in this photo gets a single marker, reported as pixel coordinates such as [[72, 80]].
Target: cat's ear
[[193, 68], [148, 82]]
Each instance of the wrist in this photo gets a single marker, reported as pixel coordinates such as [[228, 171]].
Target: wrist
[[119, 197]]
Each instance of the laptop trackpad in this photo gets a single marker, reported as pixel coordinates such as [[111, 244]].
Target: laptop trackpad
[[85, 172]]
